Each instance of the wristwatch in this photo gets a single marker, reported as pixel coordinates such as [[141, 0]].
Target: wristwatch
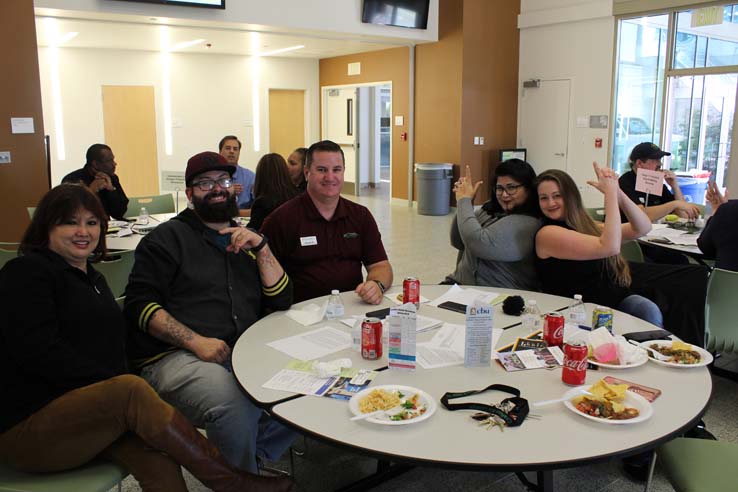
[[382, 288]]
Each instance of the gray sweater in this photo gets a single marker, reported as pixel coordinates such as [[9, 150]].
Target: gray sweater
[[494, 251]]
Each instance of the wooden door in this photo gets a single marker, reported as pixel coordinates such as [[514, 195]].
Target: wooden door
[[286, 121], [129, 116]]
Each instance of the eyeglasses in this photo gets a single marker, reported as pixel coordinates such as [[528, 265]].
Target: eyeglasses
[[209, 184], [510, 189]]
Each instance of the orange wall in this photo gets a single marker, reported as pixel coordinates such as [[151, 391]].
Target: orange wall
[[25, 179], [380, 66], [438, 78], [490, 93]]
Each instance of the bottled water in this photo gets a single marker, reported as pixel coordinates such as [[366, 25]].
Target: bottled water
[[532, 317], [577, 315], [143, 216], [335, 307]]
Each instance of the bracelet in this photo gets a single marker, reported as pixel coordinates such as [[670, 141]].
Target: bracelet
[[382, 288], [261, 245]]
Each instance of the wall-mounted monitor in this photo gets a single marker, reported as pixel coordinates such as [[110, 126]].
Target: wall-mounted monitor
[[211, 4], [400, 13], [506, 154]]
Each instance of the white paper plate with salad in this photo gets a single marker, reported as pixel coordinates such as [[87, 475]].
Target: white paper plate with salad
[[403, 404], [681, 355]]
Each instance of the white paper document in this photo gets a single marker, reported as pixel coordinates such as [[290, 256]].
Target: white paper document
[[465, 296], [402, 330], [424, 322], [478, 343], [313, 344], [308, 315], [299, 382], [446, 348]]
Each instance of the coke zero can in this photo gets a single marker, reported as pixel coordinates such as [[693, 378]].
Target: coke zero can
[[411, 291], [553, 329], [371, 338], [575, 364]]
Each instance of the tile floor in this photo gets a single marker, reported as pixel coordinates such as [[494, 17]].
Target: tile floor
[[418, 245]]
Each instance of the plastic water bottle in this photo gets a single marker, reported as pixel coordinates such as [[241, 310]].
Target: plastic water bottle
[[335, 307], [576, 314], [532, 317], [143, 216]]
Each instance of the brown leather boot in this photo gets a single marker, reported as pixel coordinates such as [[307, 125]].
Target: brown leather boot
[[192, 450]]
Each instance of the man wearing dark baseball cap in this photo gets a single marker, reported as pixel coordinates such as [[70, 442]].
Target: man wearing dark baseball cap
[[199, 281], [647, 155]]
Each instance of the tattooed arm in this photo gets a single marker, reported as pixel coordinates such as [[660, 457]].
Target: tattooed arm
[[164, 327]]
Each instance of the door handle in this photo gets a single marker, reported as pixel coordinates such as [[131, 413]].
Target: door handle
[[559, 154]]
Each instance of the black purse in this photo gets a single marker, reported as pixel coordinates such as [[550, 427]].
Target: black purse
[[510, 412]]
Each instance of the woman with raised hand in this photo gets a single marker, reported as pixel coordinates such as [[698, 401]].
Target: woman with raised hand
[[496, 242], [576, 255], [272, 188], [66, 395]]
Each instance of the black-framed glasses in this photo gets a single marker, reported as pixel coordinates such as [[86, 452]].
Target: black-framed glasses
[[209, 184], [510, 189]]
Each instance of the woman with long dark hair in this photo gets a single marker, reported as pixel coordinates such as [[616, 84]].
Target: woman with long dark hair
[[296, 167], [576, 255], [66, 395], [272, 188], [496, 241]]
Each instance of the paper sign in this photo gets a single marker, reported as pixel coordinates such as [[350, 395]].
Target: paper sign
[[651, 182], [478, 340], [402, 323], [21, 125], [173, 180]]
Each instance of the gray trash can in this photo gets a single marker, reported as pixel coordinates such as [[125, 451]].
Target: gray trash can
[[434, 188]]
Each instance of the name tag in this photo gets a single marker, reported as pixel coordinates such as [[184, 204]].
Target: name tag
[[308, 241]]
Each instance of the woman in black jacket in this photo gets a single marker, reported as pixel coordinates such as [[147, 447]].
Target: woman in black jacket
[[272, 187], [66, 395]]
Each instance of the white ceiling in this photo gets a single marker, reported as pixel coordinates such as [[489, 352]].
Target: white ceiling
[[146, 36]]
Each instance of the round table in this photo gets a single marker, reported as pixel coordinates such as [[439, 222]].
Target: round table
[[558, 439]]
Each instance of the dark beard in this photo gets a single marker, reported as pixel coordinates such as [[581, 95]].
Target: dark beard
[[216, 212]]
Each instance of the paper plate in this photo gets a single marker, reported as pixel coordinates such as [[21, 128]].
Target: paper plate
[[642, 359], [425, 399], [705, 356], [634, 400]]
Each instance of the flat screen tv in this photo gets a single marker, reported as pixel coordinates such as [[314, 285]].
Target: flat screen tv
[[211, 4], [400, 13], [506, 154]]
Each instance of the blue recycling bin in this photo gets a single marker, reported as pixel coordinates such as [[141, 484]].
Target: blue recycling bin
[[693, 187]]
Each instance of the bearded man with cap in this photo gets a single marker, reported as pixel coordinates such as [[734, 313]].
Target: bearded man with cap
[[647, 155], [198, 282]]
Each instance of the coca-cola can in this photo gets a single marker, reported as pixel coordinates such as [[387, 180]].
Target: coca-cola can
[[575, 364], [553, 329], [411, 291], [371, 338]]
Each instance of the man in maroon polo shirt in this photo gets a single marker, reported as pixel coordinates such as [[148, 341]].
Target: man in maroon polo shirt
[[322, 240]]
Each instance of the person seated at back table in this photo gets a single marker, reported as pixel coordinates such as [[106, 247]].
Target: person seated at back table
[[647, 155], [98, 175], [323, 239], [719, 239], [66, 395], [272, 188], [576, 255], [497, 241], [296, 166], [200, 281]]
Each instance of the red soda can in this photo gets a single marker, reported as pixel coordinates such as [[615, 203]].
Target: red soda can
[[553, 329], [575, 364], [411, 291], [371, 338]]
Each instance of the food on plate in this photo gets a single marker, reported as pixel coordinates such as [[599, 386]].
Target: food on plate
[[671, 218], [606, 402], [678, 353], [380, 399]]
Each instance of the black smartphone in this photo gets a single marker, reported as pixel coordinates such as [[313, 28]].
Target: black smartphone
[[379, 313], [645, 336], [453, 306]]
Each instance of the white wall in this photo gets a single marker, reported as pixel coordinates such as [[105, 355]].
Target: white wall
[[572, 39], [337, 16], [211, 96]]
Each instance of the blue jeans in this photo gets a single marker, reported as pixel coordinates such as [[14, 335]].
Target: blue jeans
[[642, 308], [209, 396]]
